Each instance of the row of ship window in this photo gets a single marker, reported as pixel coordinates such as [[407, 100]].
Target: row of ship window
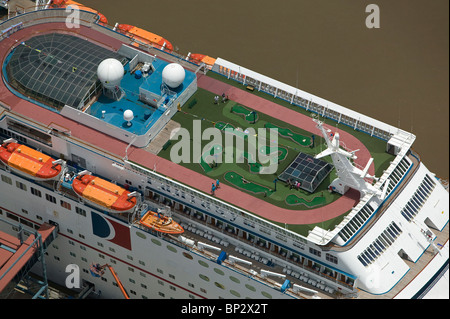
[[329, 257], [391, 233], [38, 193], [356, 222], [82, 212], [379, 245], [398, 173], [366, 211], [418, 199], [160, 271]]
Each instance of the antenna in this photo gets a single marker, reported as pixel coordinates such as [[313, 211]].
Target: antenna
[[349, 176]]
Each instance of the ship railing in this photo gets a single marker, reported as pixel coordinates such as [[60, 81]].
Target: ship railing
[[214, 257], [193, 197], [277, 258], [328, 280], [251, 273], [236, 267], [295, 96], [34, 17]]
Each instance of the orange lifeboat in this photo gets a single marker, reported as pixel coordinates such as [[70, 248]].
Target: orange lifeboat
[[66, 3], [161, 223], [198, 58], [103, 194], [144, 36], [29, 162]]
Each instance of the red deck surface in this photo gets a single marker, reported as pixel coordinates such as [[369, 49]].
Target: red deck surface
[[177, 172]]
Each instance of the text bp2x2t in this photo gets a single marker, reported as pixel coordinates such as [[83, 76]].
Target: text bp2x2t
[[229, 308]]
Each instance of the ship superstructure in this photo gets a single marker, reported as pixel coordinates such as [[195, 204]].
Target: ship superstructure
[[118, 202]]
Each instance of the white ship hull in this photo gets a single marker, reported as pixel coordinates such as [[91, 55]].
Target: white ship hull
[[148, 265], [378, 244]]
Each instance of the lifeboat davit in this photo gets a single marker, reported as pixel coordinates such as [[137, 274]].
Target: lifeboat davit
[[145, 36], [104, 194], [29, 162], [198, 58], [161, 223]]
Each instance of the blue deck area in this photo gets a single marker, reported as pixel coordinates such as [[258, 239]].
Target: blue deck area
[[144, 115], [154, 83]]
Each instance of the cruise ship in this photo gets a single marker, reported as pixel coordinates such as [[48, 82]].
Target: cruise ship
[[92, 120]]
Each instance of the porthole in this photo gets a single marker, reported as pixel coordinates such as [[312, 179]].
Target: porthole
[[220, 272], [235, 293], [265, 294], [219, 285], [139, 234], [187, 256], [205, 278], [156, 242], [235, 279], [172, 249], [201, 262], [250, 287]]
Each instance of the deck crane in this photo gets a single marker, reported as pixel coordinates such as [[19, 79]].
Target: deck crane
[[97, 271]]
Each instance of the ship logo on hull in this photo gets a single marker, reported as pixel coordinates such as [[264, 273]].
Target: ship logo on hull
[[111, 231]]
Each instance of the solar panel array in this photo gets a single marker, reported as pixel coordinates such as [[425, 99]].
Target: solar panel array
[[306, 170], [58, 67]]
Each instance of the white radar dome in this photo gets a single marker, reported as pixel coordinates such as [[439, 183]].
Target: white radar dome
[[110, 72], [173, 75], [128, 115]]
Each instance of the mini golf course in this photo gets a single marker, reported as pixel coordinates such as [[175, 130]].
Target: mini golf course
[[249, 116], [240, 182], [285, 132], [246, 172], [293, 199]]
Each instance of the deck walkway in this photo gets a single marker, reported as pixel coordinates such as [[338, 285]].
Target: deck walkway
[[284, 114]]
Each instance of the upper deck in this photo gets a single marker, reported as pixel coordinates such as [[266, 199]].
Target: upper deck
[[276, 206]]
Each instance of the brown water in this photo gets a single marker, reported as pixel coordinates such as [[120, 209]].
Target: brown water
[[398, 74]]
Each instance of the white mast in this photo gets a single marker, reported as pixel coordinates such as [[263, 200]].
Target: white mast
[[348, 175]]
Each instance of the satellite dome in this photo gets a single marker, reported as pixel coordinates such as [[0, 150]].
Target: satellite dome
[[173, 75], [128, 116], [110, 72]]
